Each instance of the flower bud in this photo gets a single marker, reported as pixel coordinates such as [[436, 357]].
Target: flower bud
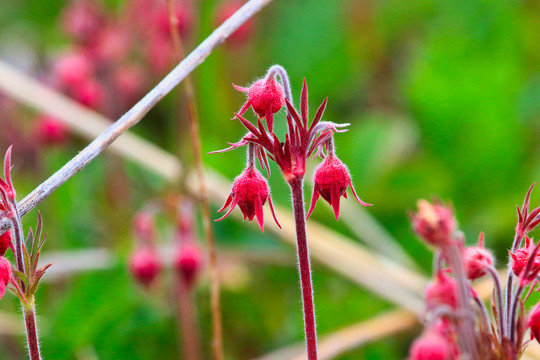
[[5, 275], [145, 265], [431, 346], [265, 97], [5, 242], [73, 69], [188, 263], [520, 258], [49, 130], [534, 322], [477, 260], [89, 93], [434, 223], [249, 191], [442, 291], [331, 180]]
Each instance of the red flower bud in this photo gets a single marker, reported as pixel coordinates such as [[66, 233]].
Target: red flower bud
[[145, 265], [73, 69], [188, 263], [5, 242], [5, 275], [265, 97], [331, 180], [477, 260], [534, 322], [520, 259], [249, 191], [434, 223], [442, 291], [50, 130], [89, 93], [431, 346]]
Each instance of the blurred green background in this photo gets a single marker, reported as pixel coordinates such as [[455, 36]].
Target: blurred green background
[[443, 98]]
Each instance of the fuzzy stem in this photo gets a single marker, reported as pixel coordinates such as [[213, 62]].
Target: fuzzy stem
[[31, 331], [279, 70], [467, 333], [498, 292], [513, 313], [18, 237], [510, 283], [187, 323], [193, 119], [297, 191]]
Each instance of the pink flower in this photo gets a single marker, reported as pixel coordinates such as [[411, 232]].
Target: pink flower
[[249, 191], [73, 69], [188, 263], [534, 322], [521, 257], [434, 223], [442, 291], [82, 20], [5, 275], [265, 97], [5, 242], [477, 260], [49, 130], [145, 265], [331, 180], [89, 93], [431, 346]]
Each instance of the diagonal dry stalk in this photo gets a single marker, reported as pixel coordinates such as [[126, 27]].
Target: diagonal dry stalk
[[136, 113]]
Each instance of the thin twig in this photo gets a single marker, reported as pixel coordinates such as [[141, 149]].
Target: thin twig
[[136, 113]]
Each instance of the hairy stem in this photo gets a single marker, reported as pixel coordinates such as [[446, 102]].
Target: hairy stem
[[193, 120], [510, 284], [498, 294], [513, 313], [31, 332], [297, 191], [279, 70]]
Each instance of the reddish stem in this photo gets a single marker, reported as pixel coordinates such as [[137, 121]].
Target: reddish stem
[[187, 322], [297, 191], [31, 333]]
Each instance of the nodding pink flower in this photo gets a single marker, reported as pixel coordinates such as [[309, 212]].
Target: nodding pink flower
[[534, 322], [520, 258], [5, 275], [331, 180], [265, 97], [49, 130], [145, 265], [89, 93], [244, 32], [250, 191], [73, 69], [188, 263], [432, 346], [442, 291], [477, 259], [5, 242], [434, 223]]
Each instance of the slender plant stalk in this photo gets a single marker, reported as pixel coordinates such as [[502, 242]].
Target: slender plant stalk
[[187, 323], [297, 191], [498, 293], [510, 285], [193, 120], [31, 331], [137, 112]]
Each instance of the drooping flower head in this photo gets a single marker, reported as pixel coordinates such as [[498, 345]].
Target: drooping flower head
[[520, 260], [534, 322], [265, 97], [5, 242], [477, 259], [5, 275], [435, 223], [145, 265], [331, 180], [187, 262], [249, 191], [442, 291], [432, 346]]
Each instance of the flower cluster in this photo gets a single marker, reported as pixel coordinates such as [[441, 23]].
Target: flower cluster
[[457, 321], [250, 190]]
